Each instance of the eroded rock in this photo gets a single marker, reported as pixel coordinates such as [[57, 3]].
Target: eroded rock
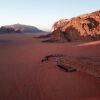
[[84, 27]]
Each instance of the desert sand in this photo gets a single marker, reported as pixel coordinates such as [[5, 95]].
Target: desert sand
[[24, 77]]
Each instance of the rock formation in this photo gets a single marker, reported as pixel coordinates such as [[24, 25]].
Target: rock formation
[[82, 27]]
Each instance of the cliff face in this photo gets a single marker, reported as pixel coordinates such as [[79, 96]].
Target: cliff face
[[82, 27]]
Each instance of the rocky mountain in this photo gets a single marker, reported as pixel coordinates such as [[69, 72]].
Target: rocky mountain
[[84, 27], [19, 28]]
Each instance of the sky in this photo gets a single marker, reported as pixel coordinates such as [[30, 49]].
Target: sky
[[43, 13]]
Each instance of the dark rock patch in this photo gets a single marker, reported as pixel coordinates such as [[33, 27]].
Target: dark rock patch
[[46, 58], [66, 68]]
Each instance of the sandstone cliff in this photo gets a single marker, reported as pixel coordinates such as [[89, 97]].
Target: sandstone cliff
[[77, 28]]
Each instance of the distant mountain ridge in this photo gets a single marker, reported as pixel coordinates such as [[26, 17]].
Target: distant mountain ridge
[[19, 28]]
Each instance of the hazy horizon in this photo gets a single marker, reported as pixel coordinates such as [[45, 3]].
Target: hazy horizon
[[43, 13]]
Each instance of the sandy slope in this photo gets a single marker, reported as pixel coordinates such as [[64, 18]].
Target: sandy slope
[[24, 77]]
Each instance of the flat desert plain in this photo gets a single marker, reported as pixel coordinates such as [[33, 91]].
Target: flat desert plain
[[24, 77]]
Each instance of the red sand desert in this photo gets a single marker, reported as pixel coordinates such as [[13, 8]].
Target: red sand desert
[[24, 77]]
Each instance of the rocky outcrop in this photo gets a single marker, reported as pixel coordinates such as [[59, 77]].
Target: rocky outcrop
[[78, 28]]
